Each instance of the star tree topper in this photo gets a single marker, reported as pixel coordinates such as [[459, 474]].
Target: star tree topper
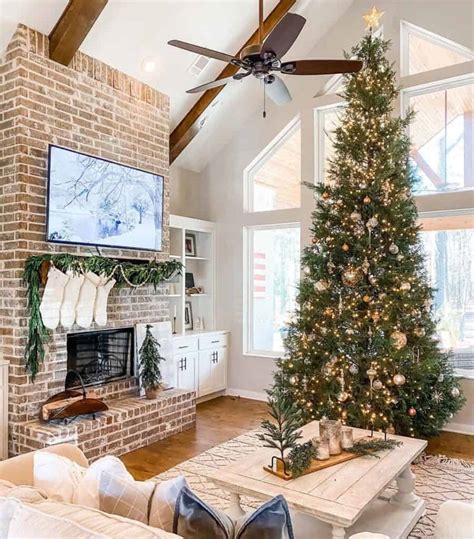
[[373, 18]]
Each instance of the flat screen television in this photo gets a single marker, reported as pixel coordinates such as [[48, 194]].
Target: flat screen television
[[92, 201]]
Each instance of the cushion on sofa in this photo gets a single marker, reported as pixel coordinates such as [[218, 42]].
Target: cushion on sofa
[[64, 480], [163, 502], [97, 523], [124, 497], [28, 521]]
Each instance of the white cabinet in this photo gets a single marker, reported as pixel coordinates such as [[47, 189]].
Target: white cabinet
[[212, 371], [201, 362], [185, 365]]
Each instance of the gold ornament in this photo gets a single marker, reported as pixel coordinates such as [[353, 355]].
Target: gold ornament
[[367, 298], [356, 216], [412, 411], [365, 266], [353, 369], [405, 287], [321, 285], [372, 223], [367, 200], [375, 316], [349, 331], [377, 384], [372, 19], [398, 339], [399, 379], [293, 380], [343, 396], [351, 276], [371, 373], [328, 311], [345, 247], [420, 332], [325, 195], [306, 270]]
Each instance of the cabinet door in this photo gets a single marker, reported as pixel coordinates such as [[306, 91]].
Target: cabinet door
[[186, 371], [212, 370]]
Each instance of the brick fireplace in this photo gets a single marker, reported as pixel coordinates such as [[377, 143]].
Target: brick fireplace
[[92, 108]]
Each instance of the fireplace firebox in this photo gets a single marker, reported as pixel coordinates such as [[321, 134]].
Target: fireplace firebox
[[101, 356]]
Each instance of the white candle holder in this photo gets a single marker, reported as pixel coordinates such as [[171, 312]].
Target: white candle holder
[[331, 432]]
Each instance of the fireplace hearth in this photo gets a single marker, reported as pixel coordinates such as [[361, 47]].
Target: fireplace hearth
[[101, 356]]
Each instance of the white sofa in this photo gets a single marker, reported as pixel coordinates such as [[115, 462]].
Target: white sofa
[[47, 518], [455, 520]]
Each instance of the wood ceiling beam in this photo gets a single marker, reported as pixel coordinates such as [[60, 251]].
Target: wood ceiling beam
[[194, 120], [72, 28]]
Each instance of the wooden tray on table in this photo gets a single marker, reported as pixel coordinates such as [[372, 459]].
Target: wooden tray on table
[[316, 465]]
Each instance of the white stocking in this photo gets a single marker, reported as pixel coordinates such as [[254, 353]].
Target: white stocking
[[86, 301], [71, 295], [53, 297], [100, 310]]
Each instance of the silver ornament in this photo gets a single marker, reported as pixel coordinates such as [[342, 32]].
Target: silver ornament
[[377, 384], [399, 379], [365, 266], [353, 369], [441, 378], [400, 257], [362, 185], [372, 222], [307, 270], [349, 331], [405, 286], [372, 280], [351, 276], [455, 392], [356, 216], [293, 380], [394, 249]]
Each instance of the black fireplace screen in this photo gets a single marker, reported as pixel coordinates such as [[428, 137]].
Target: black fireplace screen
[[101, 356]]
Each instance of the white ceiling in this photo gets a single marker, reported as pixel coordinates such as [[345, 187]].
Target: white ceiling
[[130, 31]]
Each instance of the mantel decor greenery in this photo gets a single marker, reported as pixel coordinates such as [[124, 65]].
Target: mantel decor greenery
[[126, 273]]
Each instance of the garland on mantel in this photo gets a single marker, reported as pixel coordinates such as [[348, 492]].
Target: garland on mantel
[[126, 273]]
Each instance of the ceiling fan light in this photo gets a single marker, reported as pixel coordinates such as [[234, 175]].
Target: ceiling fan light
[[148, 65]]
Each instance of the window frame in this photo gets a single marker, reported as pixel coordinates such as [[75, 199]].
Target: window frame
[[248, 311], [260, 160], [407, 28], [429, 88], [320, 113], [424, 217]]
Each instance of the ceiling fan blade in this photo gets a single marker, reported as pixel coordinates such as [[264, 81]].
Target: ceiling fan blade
[[212, 84], [284, 34], [202, 50], [278, 92], [320, 67]]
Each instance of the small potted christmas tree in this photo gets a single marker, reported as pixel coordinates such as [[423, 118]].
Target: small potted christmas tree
[[149, 363]]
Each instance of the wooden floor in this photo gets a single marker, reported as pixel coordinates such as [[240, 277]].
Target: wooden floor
[[224, 418]]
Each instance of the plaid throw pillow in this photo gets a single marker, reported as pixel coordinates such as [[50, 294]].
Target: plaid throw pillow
[[125, 498]]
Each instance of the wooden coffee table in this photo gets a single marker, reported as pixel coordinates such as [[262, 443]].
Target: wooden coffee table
[[347, 498]]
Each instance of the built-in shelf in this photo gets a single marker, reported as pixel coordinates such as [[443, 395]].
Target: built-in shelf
[[185, 234], [172, 295]]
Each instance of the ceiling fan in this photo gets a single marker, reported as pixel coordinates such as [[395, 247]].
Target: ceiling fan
[[264, 59]]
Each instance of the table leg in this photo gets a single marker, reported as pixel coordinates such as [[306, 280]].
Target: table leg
[[235, 509], [406, 486], [338, 532]]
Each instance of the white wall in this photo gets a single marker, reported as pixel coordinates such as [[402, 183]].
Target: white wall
[[221, 183]]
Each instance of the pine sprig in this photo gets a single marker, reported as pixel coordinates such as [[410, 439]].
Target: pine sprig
[[283, 432], [370, 447], [125, 273], [301, 457]]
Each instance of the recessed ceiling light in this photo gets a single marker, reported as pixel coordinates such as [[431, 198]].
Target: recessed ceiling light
[[148, 65]]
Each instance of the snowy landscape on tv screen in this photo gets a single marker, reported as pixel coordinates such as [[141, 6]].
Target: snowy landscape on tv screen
[[96, 202]]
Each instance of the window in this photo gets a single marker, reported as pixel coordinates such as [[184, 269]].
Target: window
[[442, 136], [274, 180], [272, 276], [328, 119], [425, 51], [450, 266]]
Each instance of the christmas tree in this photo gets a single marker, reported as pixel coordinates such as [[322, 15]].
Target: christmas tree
[[150, 360], [361, 346]]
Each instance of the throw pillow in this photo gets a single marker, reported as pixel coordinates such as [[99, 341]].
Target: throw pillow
[[163, 502], [194, 519], [65, 481], [125, 498]]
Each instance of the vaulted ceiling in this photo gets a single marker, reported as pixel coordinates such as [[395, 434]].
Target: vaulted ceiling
[[129, 33]]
